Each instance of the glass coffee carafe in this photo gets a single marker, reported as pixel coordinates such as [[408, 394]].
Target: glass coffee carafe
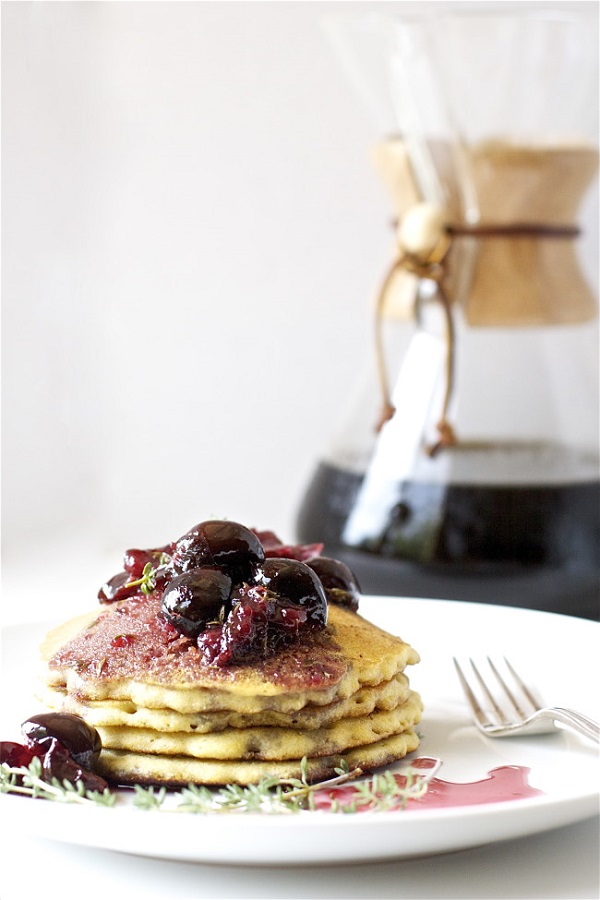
[[468, 468]]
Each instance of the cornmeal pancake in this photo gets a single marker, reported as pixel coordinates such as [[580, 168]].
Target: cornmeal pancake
[[125, 767], [128, 653], [268, 743], [118, 713]]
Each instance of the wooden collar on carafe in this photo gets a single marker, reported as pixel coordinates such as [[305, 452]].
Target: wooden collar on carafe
[[424, 238]]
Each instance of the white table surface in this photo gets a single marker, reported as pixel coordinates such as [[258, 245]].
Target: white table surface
[[561, 863]]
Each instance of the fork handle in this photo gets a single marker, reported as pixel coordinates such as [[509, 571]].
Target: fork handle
[[576, 721]]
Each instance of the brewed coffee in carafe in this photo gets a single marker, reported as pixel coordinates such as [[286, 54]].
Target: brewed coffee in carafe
[[481, 481]]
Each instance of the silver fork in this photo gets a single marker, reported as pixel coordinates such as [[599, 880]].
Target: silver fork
[[526, 715]]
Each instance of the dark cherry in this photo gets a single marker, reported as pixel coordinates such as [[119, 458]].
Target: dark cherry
[[57, 762], [122, 585], [229, 545], [81, 740], [294, 583], [338, 580], [193, 600], [66, 747], [134, 561], [117, 588]]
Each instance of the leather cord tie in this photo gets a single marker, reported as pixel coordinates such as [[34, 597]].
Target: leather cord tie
[[424, 271], [424, 240], [524, 230]]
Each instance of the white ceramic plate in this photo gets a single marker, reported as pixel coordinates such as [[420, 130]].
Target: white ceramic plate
[[557, 654]]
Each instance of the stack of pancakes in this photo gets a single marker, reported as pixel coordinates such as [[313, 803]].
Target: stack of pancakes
[[165, 716]]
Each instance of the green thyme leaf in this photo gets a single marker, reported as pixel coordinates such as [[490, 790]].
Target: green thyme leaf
[[148, 798]]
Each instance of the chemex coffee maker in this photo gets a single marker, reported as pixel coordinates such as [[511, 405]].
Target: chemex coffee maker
[[469, 467]]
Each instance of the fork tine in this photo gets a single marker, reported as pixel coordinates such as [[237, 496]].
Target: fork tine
[[472, 700], [488, 695], [522, 685], [511, 697]]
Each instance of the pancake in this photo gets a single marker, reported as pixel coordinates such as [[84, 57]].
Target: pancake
[[154, 670], [126, 767], [268, 743], [117, 713]]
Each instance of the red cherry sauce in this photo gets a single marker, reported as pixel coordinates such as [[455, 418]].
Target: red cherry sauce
[[501, 784]]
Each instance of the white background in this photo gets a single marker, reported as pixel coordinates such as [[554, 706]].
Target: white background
[[192, 234]]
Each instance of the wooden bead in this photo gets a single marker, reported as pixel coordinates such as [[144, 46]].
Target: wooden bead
[[423, 234]]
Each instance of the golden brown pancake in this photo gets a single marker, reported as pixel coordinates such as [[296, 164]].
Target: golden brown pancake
[[125, 767], [128, 653], [115, 713]]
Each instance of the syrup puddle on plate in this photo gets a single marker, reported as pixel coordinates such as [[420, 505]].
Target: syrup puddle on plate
[[501, 784]]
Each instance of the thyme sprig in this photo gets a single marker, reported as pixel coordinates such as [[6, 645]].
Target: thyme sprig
[[28, 781], [384, 792], [270, 795], [147, 582]]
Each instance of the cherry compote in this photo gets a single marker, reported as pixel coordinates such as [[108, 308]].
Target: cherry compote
[[240, 594], [245, 632], [273, 546], [14, 755]]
